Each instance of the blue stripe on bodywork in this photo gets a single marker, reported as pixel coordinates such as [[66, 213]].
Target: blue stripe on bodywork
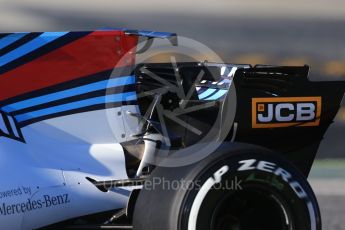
[[155, 34], [144, 33], [13, 126], [121, 81], [3, 126], [130, 96], [30, 46], [207, 93], [217, 95], [11, 38]]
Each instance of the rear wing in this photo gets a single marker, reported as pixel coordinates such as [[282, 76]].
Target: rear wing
[[279, 108]]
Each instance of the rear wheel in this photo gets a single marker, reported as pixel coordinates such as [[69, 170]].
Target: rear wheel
[[238, 187]]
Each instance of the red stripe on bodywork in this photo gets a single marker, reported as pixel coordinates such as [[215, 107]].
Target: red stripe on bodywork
[[96, 52]]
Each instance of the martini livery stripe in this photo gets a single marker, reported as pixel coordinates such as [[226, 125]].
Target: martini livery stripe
[[97, 95], [36, 43], [121, 97], [115, 82], [11, 38]]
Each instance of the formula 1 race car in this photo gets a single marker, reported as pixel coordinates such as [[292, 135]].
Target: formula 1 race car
[[92, 138]]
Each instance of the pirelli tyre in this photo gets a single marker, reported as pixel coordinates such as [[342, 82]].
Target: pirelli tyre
[[239, 187]]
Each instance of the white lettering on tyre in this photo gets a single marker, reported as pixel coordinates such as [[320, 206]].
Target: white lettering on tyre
[[246, 165], [273, 168], [210, 182]]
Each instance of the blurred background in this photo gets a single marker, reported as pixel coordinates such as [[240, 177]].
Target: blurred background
[[294, 32]]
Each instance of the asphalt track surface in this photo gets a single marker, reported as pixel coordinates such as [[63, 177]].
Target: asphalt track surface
[[327, 180], [294, 32]]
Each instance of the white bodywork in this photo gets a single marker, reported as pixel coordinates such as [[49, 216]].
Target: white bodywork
[[43, 180]]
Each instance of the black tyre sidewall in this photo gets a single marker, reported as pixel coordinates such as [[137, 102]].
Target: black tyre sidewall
[[162, 208], [303, 206]]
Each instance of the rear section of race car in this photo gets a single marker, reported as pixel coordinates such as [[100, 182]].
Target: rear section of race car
[[80, 117], [62, 97], [268, 122]]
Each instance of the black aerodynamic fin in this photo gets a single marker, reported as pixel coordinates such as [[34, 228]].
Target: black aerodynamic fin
[[281, 109]]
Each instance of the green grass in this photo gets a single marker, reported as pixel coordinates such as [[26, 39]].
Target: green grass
[[328, 168], [330, 163]]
